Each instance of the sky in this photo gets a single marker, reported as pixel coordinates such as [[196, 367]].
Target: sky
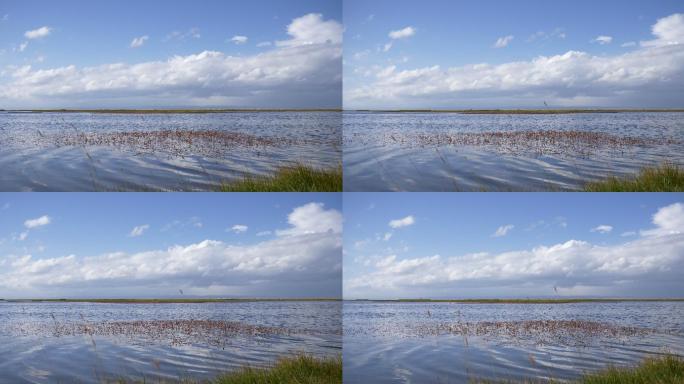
[[502, 54], [131, 245], [513, 245], [154, 53]]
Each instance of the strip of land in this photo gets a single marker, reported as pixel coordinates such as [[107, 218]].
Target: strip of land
[[166, 300], [153, 111], [518, 111], [523, 301]]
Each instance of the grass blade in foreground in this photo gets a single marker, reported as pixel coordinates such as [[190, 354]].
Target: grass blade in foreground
[[665, 178], [301, 370], [298, 178], [666, 370]]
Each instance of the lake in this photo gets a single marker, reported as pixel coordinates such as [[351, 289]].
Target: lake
[[90, 342], [499, 152], [455, 343], [169, 152]]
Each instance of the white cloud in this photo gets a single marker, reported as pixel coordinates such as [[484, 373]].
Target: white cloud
[[405, 222], [387, 236], [23, 235], [502, 42], [668, 221], [264, 44], [387, 47], [22, 46], [603, 40], [652, 75], [139, 41], [628, 44], [39, 222], [503, 230], [656, 256], [602, 229], [628, 234], [312, 218], [238, 39], [239, 228], [302, 262], [312, 77], [139, 230], [38, 33], [668, 31], [402, 33], [264, 233]]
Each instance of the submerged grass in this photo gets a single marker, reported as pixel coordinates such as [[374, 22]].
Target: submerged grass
[[665, 370], [297, 370], [297, 178], [663, 178]]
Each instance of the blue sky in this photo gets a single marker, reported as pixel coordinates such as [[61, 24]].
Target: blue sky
[[251, 43], [512, 245], [266, 245], [613, 47]]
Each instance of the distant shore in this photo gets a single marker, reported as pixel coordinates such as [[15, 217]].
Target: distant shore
[[162, 301], [519, 301], [169, 111], [515, 111]]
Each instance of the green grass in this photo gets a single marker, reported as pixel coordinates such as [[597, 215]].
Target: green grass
[[298, 370], [665, 370], [290, 179], [664, 178]]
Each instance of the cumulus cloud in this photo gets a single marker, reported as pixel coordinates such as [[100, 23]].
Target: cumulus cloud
[[602, 229], [139, 230], [405, 222], [39, 222], [304, 260], [238, 39], [651, 75], [22, 46], [38, 33], [655, 256], [402, 33], [503, 230], [603, 40], [139, 41], [239, 228], [502, 42], [312, 218], [311, 78]]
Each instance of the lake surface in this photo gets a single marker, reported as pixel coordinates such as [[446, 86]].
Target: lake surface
[[462, 152], [427, 342], [177, 152], [85, 342]]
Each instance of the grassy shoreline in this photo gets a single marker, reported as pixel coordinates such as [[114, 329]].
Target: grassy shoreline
[[298, 178], [662, 178], [300, 370], [659, 370], [517, 111], [519, 301]]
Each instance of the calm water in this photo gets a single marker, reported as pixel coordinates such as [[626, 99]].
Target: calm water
[[36, 345], [393, 151], [397, 342], [85, 152]]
